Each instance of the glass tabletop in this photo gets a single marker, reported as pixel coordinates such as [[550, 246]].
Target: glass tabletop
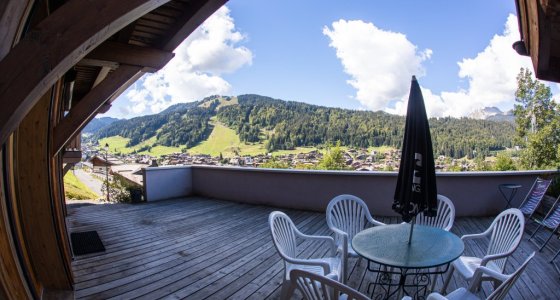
[[388, 245]]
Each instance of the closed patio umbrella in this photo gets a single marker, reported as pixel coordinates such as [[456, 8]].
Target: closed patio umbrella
[[416, 183]]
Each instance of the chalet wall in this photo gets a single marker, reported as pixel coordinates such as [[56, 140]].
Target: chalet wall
[[167, 182], [473, 193]]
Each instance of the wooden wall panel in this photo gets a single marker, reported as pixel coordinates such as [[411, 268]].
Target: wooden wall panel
[[12, 283], [37, 212]]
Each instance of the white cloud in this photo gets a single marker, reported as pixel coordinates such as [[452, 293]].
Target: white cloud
[[377, 61], [491, 75], [194, 72]]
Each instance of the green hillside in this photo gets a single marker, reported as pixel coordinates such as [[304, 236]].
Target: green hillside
[[75, 189], [253, 124]]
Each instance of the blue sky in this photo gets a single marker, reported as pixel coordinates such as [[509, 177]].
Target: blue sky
[[349, 54]]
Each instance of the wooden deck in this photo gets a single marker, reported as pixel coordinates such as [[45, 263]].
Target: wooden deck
[[199, 248]]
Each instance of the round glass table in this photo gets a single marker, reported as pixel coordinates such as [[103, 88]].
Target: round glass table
[[388, 247]]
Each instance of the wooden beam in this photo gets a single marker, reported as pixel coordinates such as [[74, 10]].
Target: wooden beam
[[35, 210], [54, 46], [191, 20], [98, 63], [87, 107], [67, 167], [101, 75], [151, 58], [13, 14]]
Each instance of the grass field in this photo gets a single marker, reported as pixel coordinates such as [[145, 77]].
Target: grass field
[[75, 189], [117, 144], [222, 140]]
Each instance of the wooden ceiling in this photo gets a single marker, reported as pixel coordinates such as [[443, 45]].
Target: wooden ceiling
[[97, 54], [539, 25]]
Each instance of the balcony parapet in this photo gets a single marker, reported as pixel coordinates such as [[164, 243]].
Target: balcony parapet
[[473, 193]]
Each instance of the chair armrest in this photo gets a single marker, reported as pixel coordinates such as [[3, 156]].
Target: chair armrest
[[475, 235], [491, 257], [309, 262], [320, 238], [492, 273], [374, 221], [435, 296], [344, 238]]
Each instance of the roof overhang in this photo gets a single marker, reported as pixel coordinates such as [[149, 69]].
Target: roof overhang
[[539, 26]]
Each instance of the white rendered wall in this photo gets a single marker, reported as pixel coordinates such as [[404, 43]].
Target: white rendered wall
[[162, 183]]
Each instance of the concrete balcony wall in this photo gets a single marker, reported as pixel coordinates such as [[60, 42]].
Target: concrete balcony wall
[[473, 193], [167, 182]]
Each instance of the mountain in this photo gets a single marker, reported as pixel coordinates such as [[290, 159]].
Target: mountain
[[97, 123], [280, 124], [493, 114]]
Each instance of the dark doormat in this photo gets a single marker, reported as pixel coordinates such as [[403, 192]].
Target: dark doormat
[[86, 242]]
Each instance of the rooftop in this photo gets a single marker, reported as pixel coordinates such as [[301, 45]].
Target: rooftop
[[206, 248]]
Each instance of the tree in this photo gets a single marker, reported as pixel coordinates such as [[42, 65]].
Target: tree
[[504, 162], [333, 159], [537, 119], [275, 163]]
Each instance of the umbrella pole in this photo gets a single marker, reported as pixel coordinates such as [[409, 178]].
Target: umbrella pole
[[411, 229]]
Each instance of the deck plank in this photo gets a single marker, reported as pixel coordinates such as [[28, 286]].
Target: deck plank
[[200, 248]]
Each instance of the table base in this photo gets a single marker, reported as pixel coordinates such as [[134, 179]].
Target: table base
[[393, 281]]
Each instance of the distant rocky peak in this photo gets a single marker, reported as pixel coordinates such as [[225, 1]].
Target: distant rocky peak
[[492, 113]]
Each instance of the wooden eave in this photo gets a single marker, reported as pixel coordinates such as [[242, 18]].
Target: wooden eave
[[539, 26], [144, 46]]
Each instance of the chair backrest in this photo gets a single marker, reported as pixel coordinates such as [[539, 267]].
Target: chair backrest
[[502, 291], [552, 218], [347, 213], [507, 231], [534, 196], [316, 287], [283, 234], [445, 215]]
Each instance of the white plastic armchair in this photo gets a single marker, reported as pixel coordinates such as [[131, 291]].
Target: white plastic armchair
[[505, 233], [284, 234], [316, 287], [445, 215], [347, 215], [498, 294]]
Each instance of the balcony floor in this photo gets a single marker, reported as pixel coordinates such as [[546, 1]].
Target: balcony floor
[[199, 248]]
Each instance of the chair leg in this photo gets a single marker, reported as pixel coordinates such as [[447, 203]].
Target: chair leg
[[535, 232], [447, 280], [285, 291], [434, 279], [344, 271], [554, 257], [546, 242]]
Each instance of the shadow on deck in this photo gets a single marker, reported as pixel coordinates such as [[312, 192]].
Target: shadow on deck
[[199, 248]]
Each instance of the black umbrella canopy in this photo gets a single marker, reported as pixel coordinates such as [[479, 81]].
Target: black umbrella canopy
[[416, 182]]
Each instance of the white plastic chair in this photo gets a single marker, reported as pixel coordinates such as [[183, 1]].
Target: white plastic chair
[[316, 287], [347, 215], [499, 293], [445, 215], [284, 234], [443, 220], [505, 233]]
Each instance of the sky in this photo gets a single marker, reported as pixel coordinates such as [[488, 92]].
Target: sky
[[357, 54]]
